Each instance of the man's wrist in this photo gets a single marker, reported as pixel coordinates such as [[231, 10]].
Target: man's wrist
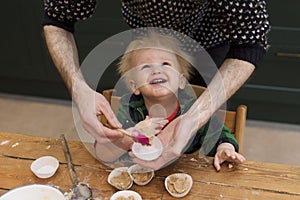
[[79, 88]]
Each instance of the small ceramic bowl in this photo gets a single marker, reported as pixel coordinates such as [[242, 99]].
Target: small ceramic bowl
[[178, 184], [120, 178], [34, 192], [140, 175], [44, 167], [145, 152], [126, 194]]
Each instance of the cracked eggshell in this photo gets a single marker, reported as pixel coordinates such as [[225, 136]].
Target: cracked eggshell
[[44, 167], [117, 172], [181, 176], [137, 169]]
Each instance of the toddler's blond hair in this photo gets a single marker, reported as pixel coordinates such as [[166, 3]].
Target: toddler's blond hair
[[158, 41]]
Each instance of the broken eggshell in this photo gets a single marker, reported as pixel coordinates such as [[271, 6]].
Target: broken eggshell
[[120, 178], [44, 167], [140, 175], [176, 184]]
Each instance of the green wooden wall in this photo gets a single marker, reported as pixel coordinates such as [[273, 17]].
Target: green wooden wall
[[272, 93]]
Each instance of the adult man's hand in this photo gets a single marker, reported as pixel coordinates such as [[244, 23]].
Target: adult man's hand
[[90, 105]]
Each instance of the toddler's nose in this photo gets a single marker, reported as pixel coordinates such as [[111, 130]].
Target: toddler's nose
[[156, 69]]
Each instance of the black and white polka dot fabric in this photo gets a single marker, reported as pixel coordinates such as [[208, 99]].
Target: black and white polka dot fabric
[[181, 16], [211, 22], [241, 24], [70, 10]]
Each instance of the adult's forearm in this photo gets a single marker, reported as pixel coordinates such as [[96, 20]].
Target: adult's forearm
[[90, 104], [62, 48], [231, 76]]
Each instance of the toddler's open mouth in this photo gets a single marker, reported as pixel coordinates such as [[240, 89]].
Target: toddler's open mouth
[[158, 81]]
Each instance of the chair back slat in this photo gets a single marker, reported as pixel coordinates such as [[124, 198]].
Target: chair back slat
[[115, 104], [230, 119]]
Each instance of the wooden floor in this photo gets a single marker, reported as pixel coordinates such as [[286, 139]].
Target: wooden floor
[[264, 141]]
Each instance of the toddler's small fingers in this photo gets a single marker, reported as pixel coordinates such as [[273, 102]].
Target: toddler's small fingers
[[217, 163], [233, 156], [227, 153], [161, 122], [241, 158]]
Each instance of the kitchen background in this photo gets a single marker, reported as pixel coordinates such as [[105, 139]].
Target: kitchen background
[[34, 100]]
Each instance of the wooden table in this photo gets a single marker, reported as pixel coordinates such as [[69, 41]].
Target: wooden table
[[250, 180]]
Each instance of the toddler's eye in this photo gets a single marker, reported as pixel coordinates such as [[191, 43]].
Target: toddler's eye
[[166, 63], [145, 67]]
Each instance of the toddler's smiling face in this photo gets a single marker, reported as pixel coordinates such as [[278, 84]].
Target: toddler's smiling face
[[156, 73]]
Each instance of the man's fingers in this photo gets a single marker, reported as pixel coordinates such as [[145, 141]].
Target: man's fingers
[[112, 120], [108, 136], [111, 134], [105, 109], [100, 132]]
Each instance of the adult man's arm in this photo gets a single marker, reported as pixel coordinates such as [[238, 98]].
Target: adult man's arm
[[63, 50]]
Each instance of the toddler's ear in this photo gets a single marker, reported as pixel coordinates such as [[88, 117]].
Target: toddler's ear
[[182, 81], [133, 87]]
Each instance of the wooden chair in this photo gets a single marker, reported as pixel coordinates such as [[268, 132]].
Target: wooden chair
[[234, 120]]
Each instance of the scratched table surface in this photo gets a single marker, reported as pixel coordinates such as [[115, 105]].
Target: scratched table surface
[[249, 180]]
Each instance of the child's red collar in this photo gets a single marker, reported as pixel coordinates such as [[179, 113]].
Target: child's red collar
[[173, 115]]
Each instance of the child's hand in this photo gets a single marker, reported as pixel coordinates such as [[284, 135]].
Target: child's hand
[[225, 151], [151, 126]]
